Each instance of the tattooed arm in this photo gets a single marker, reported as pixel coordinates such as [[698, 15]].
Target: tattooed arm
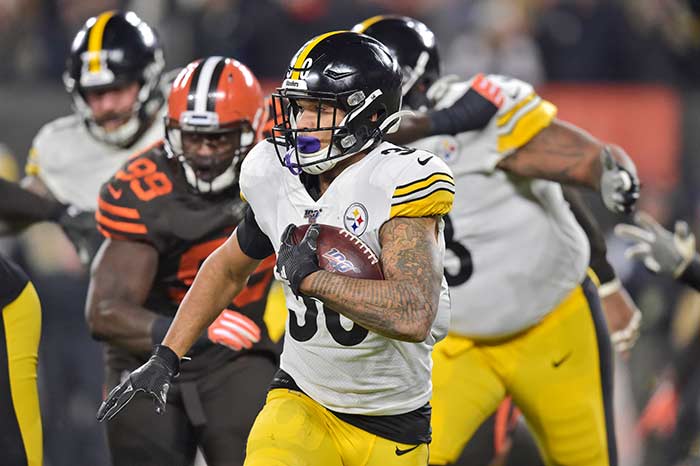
[[404, 305], [564, 153]]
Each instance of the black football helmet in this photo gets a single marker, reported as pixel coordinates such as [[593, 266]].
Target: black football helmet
[[113, 49], [347, 71], [415, 48]]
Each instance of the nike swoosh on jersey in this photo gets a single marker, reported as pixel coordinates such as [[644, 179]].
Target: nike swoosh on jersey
[[424, 161], [116, 193], [403, 452], [561, 361]]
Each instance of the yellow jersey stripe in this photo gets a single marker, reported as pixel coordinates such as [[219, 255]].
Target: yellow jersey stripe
[[422, 184], [95, 40], [366, 24], [305, 52], [504, 119], [439, 202], [527, 127]]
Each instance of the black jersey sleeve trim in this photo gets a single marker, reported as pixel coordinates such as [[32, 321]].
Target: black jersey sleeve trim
[[253, 242]]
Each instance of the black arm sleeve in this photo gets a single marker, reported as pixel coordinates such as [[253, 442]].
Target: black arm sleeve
[[19, 205], [598, 262], [254, 243], [472, 111], [691, 275]]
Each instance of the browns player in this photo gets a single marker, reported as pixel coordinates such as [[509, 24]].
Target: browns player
[[354, 383], [163, 213]]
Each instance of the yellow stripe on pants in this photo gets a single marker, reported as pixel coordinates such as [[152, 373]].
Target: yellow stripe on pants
[[22, 320]]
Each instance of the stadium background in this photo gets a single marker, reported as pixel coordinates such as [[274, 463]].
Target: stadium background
[[627, 70]]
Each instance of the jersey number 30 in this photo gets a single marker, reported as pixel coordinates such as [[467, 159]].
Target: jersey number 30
[[305, 332]]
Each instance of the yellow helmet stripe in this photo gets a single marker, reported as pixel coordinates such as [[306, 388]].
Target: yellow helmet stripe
[[305, 52], [366, 24], [95, 40]]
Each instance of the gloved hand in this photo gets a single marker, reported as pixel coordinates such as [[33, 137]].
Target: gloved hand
[[296, 261], [619, 185], [658, 249], [234, 330], [154, 378]]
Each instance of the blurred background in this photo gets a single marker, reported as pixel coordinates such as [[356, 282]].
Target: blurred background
[[626, 70]]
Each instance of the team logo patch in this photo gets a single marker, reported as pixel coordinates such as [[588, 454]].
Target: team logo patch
[[339, 262], [355, 218], [448, 149]]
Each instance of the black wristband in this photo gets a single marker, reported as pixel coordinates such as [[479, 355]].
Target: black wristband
[[691, 274], [169, 357], [602, 268]]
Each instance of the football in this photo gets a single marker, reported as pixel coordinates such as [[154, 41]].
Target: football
[[339, 251]]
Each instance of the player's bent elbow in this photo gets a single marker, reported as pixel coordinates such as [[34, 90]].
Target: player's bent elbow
[[98, 321]]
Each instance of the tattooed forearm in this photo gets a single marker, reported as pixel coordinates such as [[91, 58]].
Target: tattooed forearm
[[561, 152], [403, 306]]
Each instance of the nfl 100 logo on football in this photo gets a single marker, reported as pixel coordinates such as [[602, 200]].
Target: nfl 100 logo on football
[[339, 262], [355, 219]]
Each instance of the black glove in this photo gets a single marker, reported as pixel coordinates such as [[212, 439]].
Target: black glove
[[471, 112], [296, 261], [154, 378]]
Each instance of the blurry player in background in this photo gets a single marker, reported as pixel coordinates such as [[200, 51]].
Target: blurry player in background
[[114, 76], [163, 213], [21, 441], [673, 412], [354, 382], [526, 319]]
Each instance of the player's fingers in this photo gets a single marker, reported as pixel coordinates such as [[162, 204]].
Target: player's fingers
[[227, 338], [633, 233], [652, 264], [648, 222], [682, 230], [287, 234], [115, 402], [311, 236], [639, 251], [236, 320]]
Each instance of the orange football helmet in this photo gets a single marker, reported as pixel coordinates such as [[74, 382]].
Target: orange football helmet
[[216, 113]]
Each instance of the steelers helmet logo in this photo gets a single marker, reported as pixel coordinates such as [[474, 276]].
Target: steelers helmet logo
[[355, 218]]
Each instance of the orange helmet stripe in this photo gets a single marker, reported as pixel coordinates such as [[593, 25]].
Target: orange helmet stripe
[[95, 40]]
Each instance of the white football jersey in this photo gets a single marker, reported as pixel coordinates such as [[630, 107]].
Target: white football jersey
[[73, 164], [527, 249], [339, 364]]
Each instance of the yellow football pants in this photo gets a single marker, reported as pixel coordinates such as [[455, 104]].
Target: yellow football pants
[[20, 418], [558, 372], [294, 430]]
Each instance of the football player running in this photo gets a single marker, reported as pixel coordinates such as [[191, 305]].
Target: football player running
[[113, 74], [163, 213], [354, 384], [526, 318]]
